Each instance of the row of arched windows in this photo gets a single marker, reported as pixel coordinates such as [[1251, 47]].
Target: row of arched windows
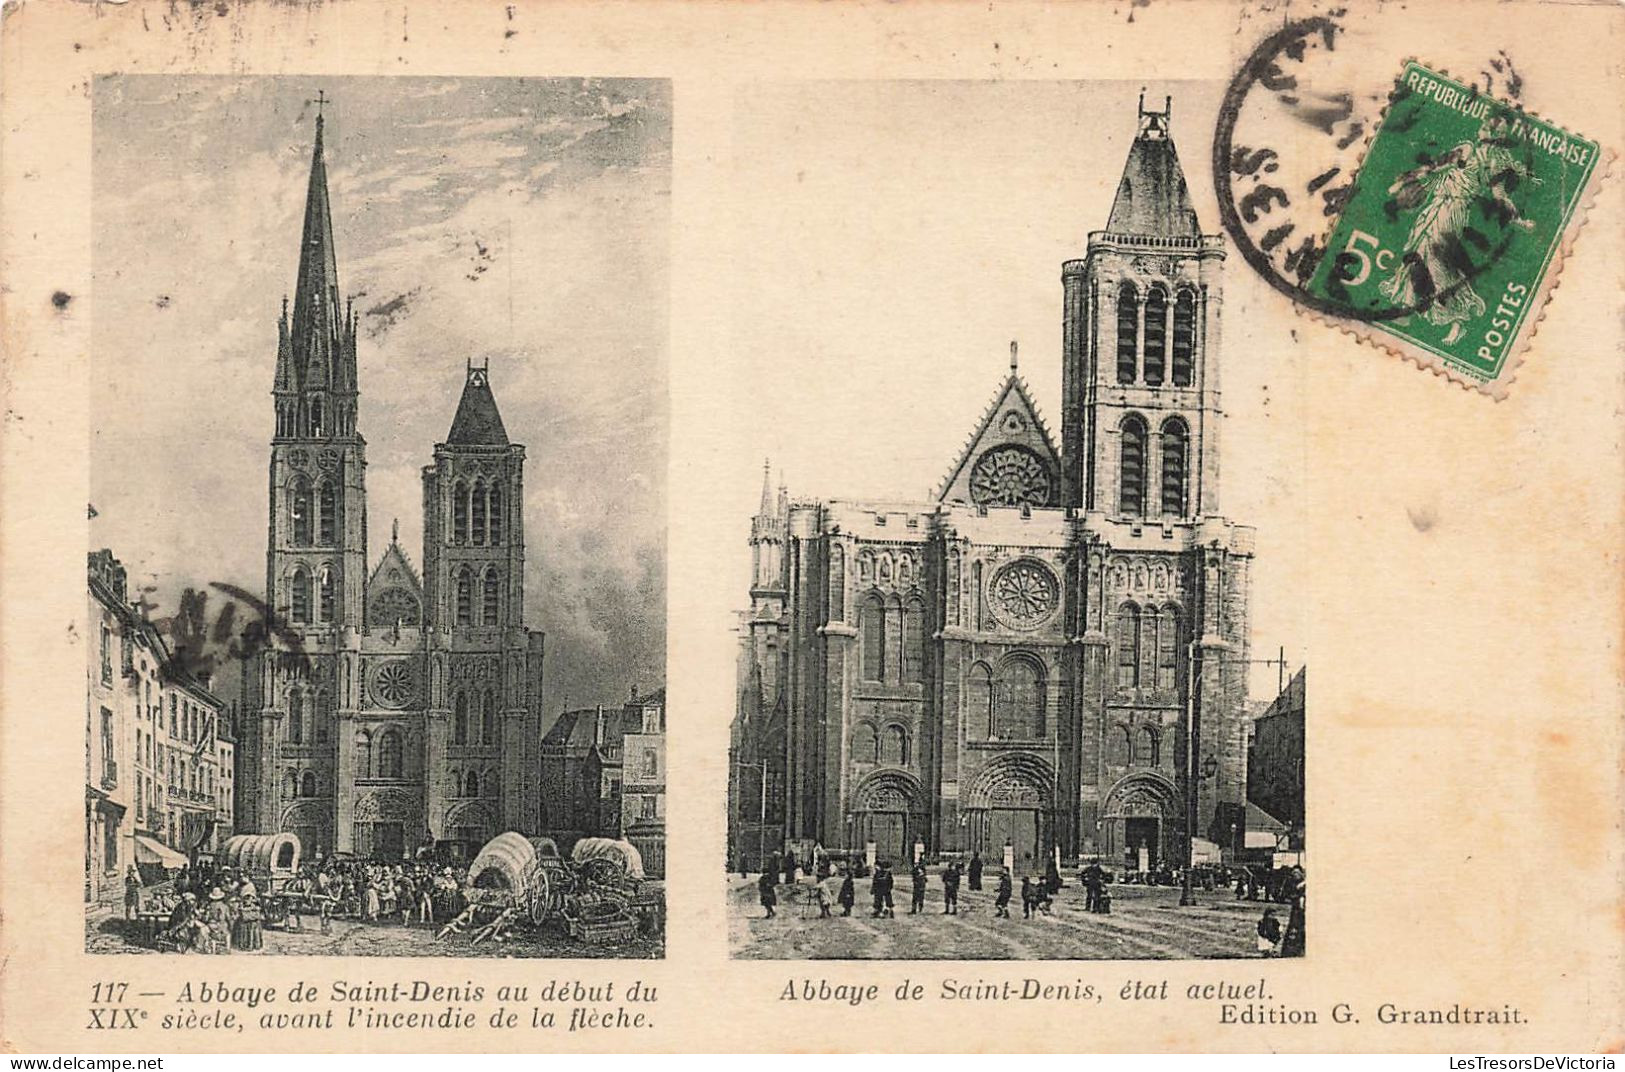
[[315, 423], [490, 585], [380, 755], [1009, 704], [891, 637], [301, 784], [319, 726], [314, 513], [473, 784], [1124, 747], [1148, 643], [312, 603], [1134, 461], [476, 513], [474, 718], [890, 746], [1157, 362]]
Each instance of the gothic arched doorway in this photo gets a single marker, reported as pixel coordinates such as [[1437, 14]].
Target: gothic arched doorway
[[1011, 805], [468, 827], [310, 822], [382, 819], [889, 810], [1141, 824]]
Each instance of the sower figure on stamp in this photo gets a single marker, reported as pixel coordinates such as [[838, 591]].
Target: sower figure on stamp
[[1431, 274]]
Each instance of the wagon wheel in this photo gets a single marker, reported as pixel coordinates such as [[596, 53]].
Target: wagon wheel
[[601, 871], [541, 897]]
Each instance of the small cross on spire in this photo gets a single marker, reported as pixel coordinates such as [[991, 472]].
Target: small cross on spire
[[1012, 355]]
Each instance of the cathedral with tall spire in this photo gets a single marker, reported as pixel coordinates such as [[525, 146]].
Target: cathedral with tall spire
[[1047, 657], [393, 710]]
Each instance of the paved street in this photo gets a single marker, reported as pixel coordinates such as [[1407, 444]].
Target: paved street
[[351, 938], [1146, 923]]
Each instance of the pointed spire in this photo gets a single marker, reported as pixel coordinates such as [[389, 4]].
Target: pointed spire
[[1152, 198], [767, 488], [477, 422], [320, 344]]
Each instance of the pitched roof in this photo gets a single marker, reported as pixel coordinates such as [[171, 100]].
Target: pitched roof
[[477, 423], [1018, 422], [1152, 198]]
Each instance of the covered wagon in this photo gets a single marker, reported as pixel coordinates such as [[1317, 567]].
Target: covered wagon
[[271, 861], [518, 873]]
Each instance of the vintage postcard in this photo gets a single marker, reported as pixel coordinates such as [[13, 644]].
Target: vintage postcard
[[968, 425]]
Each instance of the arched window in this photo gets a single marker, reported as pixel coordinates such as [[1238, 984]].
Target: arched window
[[1184, 338], [363, 754], [1018, 713], [914, 641], [323, 716], [296, 718], [389, 754], [491, 598], [1117, 746], [493, 784], [315, 417], [1131, 469], [459, 720], [894, 639], [299, 587], [1150, 747], [496, 515], [1156, 334], [324, 595], [1168, 649], [473, 784], [488, 718], [894, 746], [872, 627], [863, 744], [1128, 330], [1174, 439], [300, 509], [478, 498], [459, 513], [327, 516], [837, 583], [465, 597], [290, 785], [307, 784], [979, 715], [1128, 645]]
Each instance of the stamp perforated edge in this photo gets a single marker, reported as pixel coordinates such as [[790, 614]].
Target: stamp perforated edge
[[1500, 386]]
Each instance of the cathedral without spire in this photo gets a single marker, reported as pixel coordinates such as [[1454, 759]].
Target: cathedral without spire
[[1006, 668]]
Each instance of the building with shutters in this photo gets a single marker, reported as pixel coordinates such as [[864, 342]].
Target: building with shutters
[[1009, 666]]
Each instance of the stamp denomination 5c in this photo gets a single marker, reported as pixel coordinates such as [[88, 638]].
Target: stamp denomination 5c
[[1452, 238]]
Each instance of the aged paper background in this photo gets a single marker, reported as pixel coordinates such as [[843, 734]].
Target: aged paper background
[[1458, 560]]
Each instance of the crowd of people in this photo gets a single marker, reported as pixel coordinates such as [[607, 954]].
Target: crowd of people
[[1283, 885], [214, 909]]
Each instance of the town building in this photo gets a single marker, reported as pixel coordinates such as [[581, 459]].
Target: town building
[[395, 710], [1275, 760], [153, 784], [584, 772], [1010, 666], [643, 783]]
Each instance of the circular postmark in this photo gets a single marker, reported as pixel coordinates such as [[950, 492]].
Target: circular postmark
[[1287, 165]]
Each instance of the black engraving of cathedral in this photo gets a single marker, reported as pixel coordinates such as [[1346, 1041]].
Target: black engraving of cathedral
[[1010, 664], [396, 709]]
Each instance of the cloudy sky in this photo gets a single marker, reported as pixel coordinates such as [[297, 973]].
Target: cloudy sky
[[520, 222], [929, 222]]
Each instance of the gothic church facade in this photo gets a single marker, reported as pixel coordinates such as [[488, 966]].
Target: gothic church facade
[[1015, 662], [392, 710]]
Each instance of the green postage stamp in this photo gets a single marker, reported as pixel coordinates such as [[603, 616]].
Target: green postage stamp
[[1454, 232]]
